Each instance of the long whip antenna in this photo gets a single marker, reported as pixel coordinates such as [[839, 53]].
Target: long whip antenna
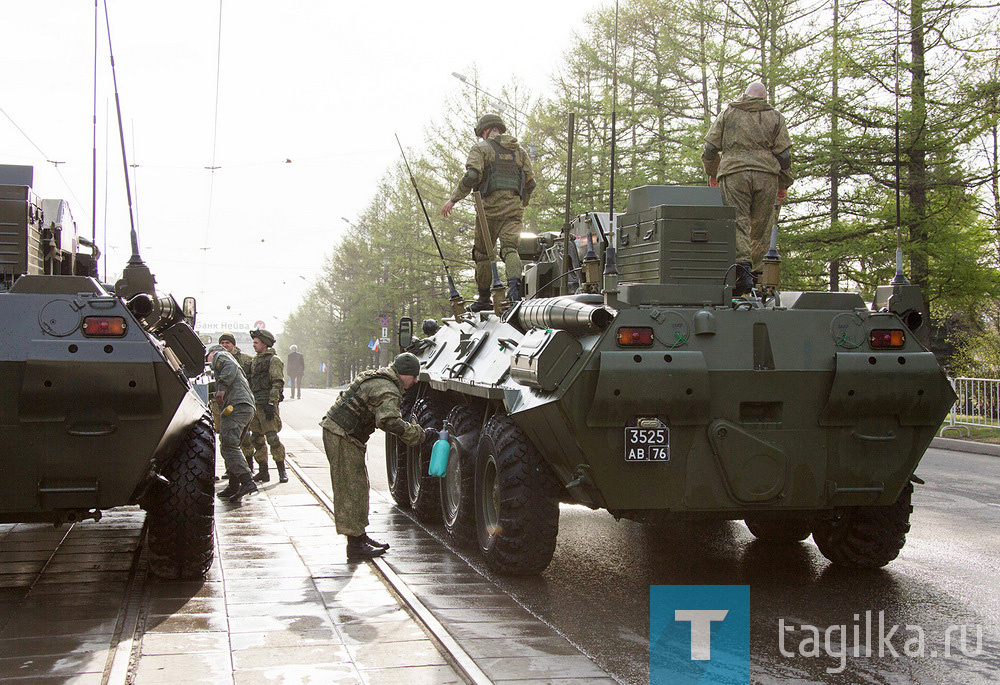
[[614, 115], [453, 291], [900, 277], [135, 258]]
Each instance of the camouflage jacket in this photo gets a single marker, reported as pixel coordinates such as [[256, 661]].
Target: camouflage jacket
[[383, 398], [750, 134], [243, 360], [229, 378], [267, 374], [502, 204]]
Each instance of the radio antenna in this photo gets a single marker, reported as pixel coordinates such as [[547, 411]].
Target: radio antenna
[[135, 258], [614, 116], [900, 277]]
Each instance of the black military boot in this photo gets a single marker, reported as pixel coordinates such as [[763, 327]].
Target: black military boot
[[744, 279], [358, 547], [375, 543], [262, 476], [483, 303], [513, 290], [282, 476], [245, 487], [230, 490]]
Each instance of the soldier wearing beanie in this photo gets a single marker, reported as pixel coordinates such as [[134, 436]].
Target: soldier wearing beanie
[[232, 391], [371, 401], [228, 342], [267, 382]]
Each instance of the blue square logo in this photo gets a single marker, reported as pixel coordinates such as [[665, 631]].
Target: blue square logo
[[699, 634]]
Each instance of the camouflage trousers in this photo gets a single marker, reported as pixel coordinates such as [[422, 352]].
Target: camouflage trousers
[[246, 446], [508, 230], [753, 194], [349, 476], [233, 430], [263, 434]]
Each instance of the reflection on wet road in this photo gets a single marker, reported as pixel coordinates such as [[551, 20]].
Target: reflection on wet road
[[596, 591]]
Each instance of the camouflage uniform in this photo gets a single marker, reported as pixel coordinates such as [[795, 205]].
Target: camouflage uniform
[[750, 134], [267, 379], [231, 380], [379, 392], [504, 208], [245, 445]]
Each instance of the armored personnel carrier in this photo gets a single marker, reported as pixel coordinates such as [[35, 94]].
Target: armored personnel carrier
[[98, 411], [649, 390]]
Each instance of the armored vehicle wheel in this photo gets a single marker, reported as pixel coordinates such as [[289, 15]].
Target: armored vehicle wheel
[[424, 492], [395, 455], [866, 537], [517, 500], [180, 515], [459, 483], [779, 530]]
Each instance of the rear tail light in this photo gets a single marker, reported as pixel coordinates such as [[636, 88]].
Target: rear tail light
[[640, 336], [104, 326], [881, 339]]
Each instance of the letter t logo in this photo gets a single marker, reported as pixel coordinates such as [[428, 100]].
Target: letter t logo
[[701, 629]]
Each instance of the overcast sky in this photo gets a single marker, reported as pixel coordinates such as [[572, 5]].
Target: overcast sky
[[321, 83]]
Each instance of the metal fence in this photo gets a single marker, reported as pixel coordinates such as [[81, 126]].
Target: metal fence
[[978, 404]]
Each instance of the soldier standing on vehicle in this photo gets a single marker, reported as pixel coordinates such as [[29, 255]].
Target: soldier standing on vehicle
[[501, 170], [228, 341], [233, 395], [754, 172], [296, 368], [267, 379], [371, 401]]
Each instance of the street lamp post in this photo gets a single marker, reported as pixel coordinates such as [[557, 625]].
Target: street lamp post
[[500, 104]]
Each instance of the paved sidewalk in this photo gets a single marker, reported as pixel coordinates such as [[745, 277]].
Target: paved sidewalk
[[282, 604]]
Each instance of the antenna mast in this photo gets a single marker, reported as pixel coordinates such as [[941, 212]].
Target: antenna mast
[[614, 117], [900, 277], [135, 258]]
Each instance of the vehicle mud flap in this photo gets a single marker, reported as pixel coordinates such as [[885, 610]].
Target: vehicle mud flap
[[754, 470]]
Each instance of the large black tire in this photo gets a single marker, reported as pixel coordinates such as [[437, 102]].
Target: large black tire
[[423, 489], [395, 454], [779, 530], [517, 500], [180, 516], [458, 487], [866, 537]]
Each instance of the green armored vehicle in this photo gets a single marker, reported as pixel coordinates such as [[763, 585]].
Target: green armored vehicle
[[98, 411], [649, 390]]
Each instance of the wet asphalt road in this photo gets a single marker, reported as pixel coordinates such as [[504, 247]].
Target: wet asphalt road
[[596, 591]]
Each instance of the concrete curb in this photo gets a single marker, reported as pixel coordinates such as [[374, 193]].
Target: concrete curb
[[966, 446]]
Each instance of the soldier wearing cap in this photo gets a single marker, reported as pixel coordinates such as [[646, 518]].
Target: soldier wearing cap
[[228, 341], [500, 169], [233, 393], [267, 381], [371, 401]]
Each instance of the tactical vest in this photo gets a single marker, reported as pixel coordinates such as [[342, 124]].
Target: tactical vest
[[351, 412], [504, 173], [260, 380]]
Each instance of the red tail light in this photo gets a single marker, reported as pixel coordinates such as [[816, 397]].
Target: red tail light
[[887, 339], [104, 326], [635, 337]]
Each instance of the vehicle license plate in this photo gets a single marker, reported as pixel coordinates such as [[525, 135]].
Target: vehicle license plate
[[647, 444]]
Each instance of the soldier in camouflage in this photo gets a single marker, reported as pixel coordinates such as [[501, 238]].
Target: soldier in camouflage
[[228, 342], [267, 380], [371, 401], [500, 169], [755, 171], [233, 394]]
